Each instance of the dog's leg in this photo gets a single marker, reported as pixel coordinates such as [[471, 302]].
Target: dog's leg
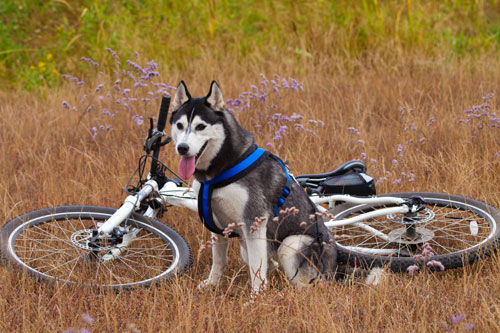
[[243, 251], [256, 245], [219, 261]]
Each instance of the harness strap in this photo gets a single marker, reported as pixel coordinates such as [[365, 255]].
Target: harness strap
[[251, 159], [287, 188]]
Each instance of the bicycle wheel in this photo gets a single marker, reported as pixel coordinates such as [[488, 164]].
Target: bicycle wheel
[[459, 230], [53, 244]]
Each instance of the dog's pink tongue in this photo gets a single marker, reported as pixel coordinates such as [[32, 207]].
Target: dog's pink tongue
[[186, 167]]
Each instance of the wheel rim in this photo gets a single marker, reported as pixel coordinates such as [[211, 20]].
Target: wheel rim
[[454, 227], [53, 247]]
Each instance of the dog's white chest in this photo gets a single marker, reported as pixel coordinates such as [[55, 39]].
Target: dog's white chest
[[228, 203]]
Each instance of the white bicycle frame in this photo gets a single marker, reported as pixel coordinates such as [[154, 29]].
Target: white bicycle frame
[[172, 194]]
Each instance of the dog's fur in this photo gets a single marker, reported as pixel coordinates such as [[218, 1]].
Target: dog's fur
[[209, 140]]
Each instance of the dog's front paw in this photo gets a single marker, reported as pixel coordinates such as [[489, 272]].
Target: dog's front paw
[[206, 284]]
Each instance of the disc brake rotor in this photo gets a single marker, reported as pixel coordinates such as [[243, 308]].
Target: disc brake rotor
[[81, 239], [421, 217]]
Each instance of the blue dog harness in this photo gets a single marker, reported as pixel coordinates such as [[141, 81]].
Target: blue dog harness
[[254, 157]]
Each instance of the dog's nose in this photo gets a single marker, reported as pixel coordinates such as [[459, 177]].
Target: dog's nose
[[183, 148]]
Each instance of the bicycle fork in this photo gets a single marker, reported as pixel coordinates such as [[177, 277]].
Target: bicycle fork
[[110, 229]]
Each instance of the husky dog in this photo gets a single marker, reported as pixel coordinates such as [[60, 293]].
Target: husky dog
[[210, 141]]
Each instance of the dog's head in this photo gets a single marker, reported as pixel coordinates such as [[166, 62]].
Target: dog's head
[[197, 128], [324, 257]]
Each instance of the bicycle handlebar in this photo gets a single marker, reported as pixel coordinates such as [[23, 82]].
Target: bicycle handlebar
[[162, 117]]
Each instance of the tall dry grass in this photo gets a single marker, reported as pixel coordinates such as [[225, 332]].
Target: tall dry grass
[[48, 158]]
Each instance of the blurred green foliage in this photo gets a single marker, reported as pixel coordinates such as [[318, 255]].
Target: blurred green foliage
[[40, 39]]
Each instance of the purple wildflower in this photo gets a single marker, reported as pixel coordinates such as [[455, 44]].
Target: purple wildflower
[[131, 76], [70, 77], [94, 132], [66, 105], [297, 116], [488, 97], [412, 269], [276, 90], [237, 102], [136, 67], [468, 327], [90, 61], [113, 53], [456, 319], [427, 251], [152, 65], [138, 119], [435, 263]]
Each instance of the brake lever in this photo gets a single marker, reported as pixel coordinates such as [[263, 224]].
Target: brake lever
[[153, 140], [167, 140]]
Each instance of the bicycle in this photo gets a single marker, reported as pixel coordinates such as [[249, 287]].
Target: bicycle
[[127, 247]]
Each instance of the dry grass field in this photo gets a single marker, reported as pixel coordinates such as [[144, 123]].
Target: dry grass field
[[397, 105], [49, 158]]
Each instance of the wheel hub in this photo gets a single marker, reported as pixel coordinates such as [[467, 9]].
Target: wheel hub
[[400, 236], [81, 238]]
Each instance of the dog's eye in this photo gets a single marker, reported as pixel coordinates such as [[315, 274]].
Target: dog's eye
[[200, 127], [179, 126]]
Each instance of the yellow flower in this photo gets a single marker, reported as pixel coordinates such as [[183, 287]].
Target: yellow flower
[[49, 56], [41, 64], [32, 67], [55, 71]]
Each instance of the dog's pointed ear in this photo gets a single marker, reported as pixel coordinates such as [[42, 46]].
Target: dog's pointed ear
[[215, 98], [181, 96]]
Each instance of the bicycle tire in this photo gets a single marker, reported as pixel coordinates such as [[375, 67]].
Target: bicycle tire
[[480, 235], [51, 245]]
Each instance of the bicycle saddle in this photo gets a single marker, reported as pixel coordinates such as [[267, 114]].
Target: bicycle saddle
[[354, 165]]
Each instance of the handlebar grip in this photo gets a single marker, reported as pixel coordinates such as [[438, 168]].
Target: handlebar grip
[[162, 117]]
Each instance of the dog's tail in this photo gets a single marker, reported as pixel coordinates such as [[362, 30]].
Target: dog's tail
[[351, 274]]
